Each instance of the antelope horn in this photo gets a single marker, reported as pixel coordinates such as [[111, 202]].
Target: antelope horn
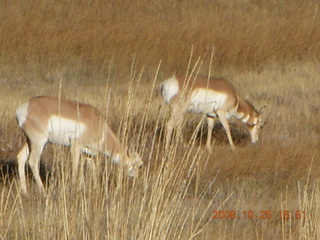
[[260, 111]]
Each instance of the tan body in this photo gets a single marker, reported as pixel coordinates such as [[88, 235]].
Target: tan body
[[81, 126], [215, 97]]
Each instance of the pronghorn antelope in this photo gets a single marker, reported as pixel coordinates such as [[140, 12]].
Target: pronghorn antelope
[[216, 97], [81, 126]]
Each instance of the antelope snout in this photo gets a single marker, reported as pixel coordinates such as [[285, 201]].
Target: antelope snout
[[254, 133]]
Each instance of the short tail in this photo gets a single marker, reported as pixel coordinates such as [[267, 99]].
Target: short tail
[[21, 114]]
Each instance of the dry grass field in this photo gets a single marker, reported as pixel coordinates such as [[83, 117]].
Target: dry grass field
[[113, 55]]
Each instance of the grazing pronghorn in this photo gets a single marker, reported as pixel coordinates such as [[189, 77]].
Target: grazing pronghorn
[[61, 121], [216, 97]]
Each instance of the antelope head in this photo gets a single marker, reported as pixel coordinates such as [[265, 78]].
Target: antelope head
[[256, 126], [133, 163]]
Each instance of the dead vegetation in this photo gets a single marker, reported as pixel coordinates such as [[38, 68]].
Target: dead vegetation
[[107, 53]]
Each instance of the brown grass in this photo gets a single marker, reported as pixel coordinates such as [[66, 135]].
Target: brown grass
[[107, 53], [246, 33]]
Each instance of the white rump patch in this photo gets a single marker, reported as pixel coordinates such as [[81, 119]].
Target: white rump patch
[[22, 113], [62, 130], [206, 101], [169, 88]]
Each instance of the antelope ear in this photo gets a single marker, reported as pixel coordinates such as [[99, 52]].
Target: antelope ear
[[262, 123]]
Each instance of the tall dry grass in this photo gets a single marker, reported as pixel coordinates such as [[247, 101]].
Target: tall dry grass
[[113, 55], [246, 33]]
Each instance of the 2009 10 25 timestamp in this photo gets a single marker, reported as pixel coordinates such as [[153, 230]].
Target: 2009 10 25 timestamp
[[263, 214]]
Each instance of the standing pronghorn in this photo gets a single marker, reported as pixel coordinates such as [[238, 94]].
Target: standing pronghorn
[[216, 97], [81, 126]]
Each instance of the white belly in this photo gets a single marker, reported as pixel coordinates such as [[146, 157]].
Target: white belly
[[62, 130], [206, 101]]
